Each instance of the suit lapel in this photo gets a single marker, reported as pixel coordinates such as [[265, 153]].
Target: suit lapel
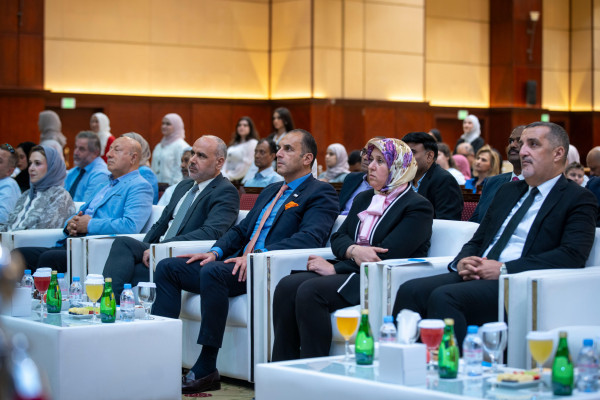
[[295, 197]]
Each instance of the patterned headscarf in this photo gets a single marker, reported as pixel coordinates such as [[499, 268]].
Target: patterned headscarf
[[399, 159], [341, 166], [55, 173], [178, 129]]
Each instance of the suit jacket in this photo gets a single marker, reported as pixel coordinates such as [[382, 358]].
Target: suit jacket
[[213, 211], [562, 233], [125, 210], [351, 183], [442, 190], [404, 229], [304, 226], [490, 187], [594, 186], [95, 178]]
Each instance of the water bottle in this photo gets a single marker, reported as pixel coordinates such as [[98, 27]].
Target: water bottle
[[27, 280], [587, 368], [64, 287], [127, 303], [387, 333], [473, 352], [75, 293]]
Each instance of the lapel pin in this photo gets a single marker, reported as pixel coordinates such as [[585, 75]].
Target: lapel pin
[[295, 194]]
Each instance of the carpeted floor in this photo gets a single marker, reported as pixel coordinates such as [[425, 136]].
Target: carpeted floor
[[231, 389]]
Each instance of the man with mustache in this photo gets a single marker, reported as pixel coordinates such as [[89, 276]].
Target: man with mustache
[[544, 221], [492, 184], [90, 173]]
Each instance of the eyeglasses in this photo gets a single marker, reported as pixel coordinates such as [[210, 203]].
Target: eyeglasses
[[8, 147]]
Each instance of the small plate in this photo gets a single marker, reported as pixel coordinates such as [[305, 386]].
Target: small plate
[[513, 385], [77, 316]]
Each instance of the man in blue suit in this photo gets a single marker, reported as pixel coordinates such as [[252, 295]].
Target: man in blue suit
[[491, 185], [297, 213], [90, 173], [122, 206]]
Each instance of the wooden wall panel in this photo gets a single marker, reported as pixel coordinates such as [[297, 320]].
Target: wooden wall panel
[[18, 119], [9, 69], [8, 16], [31, 73]]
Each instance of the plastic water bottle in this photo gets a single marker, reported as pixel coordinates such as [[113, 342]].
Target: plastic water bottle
[[127, 303], [473, 352], [388, 332], [63, 285], [587, 368], [75, 292], [27, 280]]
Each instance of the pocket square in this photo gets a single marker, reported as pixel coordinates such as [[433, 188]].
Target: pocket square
[[291, 204]]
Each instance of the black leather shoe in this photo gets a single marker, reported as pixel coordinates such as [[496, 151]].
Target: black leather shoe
[[210, 382]]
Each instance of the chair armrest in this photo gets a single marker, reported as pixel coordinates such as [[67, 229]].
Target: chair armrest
[[96, 250], [160, 251], [32, 237]]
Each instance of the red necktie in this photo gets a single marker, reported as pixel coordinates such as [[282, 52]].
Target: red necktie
[[515, 178], [250, 247]]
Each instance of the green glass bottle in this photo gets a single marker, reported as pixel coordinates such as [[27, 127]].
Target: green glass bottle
[[54, 296], [562, 369], [448, 354], [364, 344], [108, 305]]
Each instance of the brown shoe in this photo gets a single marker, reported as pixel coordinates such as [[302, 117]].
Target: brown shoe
[[210, 382]]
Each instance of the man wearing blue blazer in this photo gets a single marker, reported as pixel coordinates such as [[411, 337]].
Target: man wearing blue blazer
[[492, 184], [297, 213], [122, 206], [90, 173]]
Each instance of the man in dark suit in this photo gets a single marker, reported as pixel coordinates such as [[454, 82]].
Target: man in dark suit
[[297, 213], [492, 184], [545, 221], [211, 209], [432, 181]]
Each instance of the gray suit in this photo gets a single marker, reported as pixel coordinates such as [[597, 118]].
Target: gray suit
[[211, 214]]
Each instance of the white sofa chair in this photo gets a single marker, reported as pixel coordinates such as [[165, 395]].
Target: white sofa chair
[[243, 344]]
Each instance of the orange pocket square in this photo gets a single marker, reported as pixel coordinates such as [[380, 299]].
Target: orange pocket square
[[290, 205]]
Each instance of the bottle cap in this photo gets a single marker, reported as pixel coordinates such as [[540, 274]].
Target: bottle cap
[[449, 321], [364, 311], [388, 318], [562, 334], [472, 329], [60, 275], [108, 280], [54, 272], [27, 272], [127, 286], [76, 279], [588, 342]]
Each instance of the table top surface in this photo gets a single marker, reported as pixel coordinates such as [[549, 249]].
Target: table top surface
[[464, 386], [64, 320]]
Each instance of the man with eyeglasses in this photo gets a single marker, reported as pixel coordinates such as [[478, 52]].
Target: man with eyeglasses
[[355, 183], [491, 185], [9, 188]]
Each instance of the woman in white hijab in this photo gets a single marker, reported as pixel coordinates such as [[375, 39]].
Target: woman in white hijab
[[472, 133], [336, 160], [100, 125], [167, 154]]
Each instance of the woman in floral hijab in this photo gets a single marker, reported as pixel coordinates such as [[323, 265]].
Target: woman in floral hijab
[[390, 221]]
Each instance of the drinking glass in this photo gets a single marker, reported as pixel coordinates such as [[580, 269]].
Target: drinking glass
[[541, 345], [432, 331], [147, 294], [347, 322], [41, 279], [94, 285], [494, 335]]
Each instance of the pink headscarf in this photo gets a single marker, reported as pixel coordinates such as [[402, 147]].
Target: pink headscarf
[[178, 131], [462, 164]]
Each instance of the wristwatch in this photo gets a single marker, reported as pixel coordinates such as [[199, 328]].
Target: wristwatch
[[503, 270], [258, 251]]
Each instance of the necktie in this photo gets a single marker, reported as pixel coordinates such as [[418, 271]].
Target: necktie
[[73, 188], [187, 202], [515, 178], [250, 246], [511, 226]]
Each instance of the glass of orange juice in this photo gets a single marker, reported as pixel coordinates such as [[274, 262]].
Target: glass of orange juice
[[94, 285], [541, 345], [347, 322]]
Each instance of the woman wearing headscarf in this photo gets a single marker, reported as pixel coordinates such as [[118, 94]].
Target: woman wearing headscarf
[[462, 164], [51, 131], [471, 133], [100, 125], [46, 204], [144, 169], [389, 221], [167, 154], [336, 160], [240, 153], [22, 175]]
